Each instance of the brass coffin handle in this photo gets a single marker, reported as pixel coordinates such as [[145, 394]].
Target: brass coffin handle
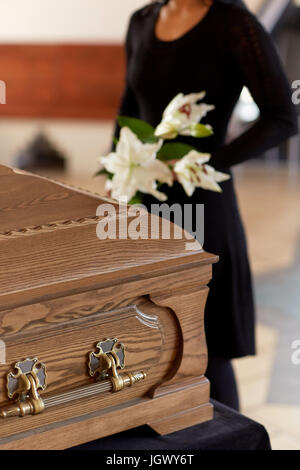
[[31, 376]]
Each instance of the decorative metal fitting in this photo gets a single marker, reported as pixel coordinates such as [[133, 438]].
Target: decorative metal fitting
[[23, 385], [30, 376]]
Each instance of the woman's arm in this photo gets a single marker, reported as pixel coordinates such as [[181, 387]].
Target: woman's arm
[[257, 61], [128, 105]]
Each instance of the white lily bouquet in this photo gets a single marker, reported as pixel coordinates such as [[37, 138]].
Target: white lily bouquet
[[143, 161]]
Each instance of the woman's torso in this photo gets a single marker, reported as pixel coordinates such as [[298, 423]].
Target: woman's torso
[[199, 60], [157, 71]]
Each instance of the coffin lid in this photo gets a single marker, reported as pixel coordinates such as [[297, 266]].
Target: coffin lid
[[48, 237]]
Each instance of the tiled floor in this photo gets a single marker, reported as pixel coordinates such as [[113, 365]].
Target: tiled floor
[[270, 207]]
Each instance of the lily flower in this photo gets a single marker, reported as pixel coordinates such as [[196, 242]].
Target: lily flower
[[135, 167], [193, 172], [182, 116]]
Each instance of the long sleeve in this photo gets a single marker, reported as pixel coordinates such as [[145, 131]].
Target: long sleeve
[[128, 105], [256, 60]]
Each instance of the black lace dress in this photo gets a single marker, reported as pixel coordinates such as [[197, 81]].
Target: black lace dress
[[225, 51]]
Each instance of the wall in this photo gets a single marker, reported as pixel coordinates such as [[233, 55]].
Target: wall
[[65, 20], [61, 21], [69, 20]]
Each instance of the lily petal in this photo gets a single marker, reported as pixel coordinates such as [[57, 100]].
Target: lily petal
[[167, 130]]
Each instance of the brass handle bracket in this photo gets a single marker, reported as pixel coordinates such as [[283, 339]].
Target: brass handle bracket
[[104, 364], [23, 385], [30, 376]]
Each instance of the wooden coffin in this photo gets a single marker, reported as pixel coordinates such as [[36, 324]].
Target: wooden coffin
[[96, 336]]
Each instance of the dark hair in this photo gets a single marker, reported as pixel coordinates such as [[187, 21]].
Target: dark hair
[[236, 2]]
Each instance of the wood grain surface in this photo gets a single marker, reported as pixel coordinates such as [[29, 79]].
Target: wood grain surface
[[63, 345], [71, 255], [77, 427], [62, 290]]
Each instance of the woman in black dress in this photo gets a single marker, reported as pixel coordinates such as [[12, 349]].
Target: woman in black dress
[[226, 50]]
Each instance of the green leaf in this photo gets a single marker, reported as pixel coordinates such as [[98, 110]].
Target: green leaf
[[143, 130], [201, 130], [115, 140], [174, 151], [103, 171], [137, 199]]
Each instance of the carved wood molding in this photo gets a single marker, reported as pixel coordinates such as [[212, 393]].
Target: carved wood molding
[[45, 228], [188, 307]]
